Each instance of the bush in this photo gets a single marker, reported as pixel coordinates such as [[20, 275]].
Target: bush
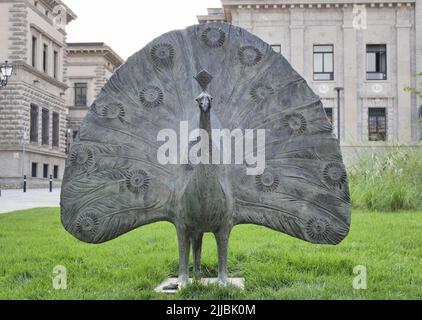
[[388, 183]]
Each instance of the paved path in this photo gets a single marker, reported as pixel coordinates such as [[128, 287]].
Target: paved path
[[14, 200]]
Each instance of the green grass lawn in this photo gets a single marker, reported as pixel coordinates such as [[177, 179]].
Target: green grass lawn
[[275, 266]]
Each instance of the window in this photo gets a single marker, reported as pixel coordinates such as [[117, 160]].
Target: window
[[376, 62], [34, 168], [56, 131], [34, 52], [33, 130], [56, 64], [377, 124], [80, 94], [323, 62], [45, 171], [75, 134], [45, 58], [56, 172], [329, 113], [45, 127], [276, 48]]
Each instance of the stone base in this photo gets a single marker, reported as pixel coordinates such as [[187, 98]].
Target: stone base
[[171, 285]]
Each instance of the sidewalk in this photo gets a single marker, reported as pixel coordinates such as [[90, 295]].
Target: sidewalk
[[14, 200]]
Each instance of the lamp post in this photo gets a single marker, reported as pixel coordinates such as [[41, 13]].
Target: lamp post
[[338, 89], [5, 73]]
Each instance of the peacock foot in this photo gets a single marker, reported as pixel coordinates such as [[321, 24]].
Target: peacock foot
[[223, 281], [183, 281]]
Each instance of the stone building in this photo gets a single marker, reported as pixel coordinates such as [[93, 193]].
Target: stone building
[[32, 107], [370, 48], [89, 66]]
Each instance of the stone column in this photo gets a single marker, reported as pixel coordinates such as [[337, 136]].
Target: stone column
[[349, 117], [297, 37], [404, 76]]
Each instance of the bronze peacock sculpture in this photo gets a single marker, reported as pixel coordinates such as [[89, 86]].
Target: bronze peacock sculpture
[[211, 76]]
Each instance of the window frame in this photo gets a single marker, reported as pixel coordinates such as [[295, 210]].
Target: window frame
[[34, 168], [56, 129], [45, 127], [34, 123], [370, 48], [45, 58], [379, 117], [55, 172], [78, 101], [330, 114], [323, 53], [45, 170], [278, 46], [34, 49], [55, 64]]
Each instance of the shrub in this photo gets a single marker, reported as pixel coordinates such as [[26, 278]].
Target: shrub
[[389, 182]]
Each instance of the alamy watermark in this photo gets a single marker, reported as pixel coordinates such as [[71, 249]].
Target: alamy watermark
[[60, 16], [59, 278], [197, 147], [360, 17], [360, 282]]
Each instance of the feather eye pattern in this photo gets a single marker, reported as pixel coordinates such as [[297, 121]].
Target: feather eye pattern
[[114, 182]]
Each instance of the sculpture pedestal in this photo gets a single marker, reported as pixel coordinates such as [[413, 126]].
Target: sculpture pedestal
[[168, 287]]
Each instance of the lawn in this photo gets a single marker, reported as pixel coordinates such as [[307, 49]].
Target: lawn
[[275, 266]]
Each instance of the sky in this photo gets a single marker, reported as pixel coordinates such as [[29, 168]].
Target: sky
[[128, 25]]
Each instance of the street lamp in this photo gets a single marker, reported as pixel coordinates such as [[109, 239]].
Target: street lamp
[[5, 73], [338, 89]]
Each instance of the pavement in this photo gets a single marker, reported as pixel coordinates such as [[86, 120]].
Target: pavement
[[14, 200]]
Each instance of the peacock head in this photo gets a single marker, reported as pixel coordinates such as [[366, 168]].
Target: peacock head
[[204, 101]]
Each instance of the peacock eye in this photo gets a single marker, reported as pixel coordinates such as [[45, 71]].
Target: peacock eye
[[213, 37], [295, 123], [151, 96], [249, 56], [335, 175], [162, 54], [260, 92], [267, 182]]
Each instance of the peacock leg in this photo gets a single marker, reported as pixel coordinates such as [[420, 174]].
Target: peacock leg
[[197, 250], [222, 238], [184, 250]]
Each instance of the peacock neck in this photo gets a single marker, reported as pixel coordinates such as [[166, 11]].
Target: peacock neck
[[205, 124]]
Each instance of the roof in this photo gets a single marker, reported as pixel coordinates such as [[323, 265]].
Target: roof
[[95, 48]]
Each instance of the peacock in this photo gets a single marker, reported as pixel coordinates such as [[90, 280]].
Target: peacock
[[209, 76]]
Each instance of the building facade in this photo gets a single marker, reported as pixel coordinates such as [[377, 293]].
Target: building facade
[[52, 85], [370, 49], [32, 107], [89, 66]]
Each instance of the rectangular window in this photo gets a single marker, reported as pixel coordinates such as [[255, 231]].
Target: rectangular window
[[34, 168], [34, 52], [329, 113], [45, 127], [56, 172], [276, 48], [45, 171], [56, 64], [33, 130], [75, 134], [376, 62], [45, 58], [81, 90], [323, 62], [377, 124], [56, 129]]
